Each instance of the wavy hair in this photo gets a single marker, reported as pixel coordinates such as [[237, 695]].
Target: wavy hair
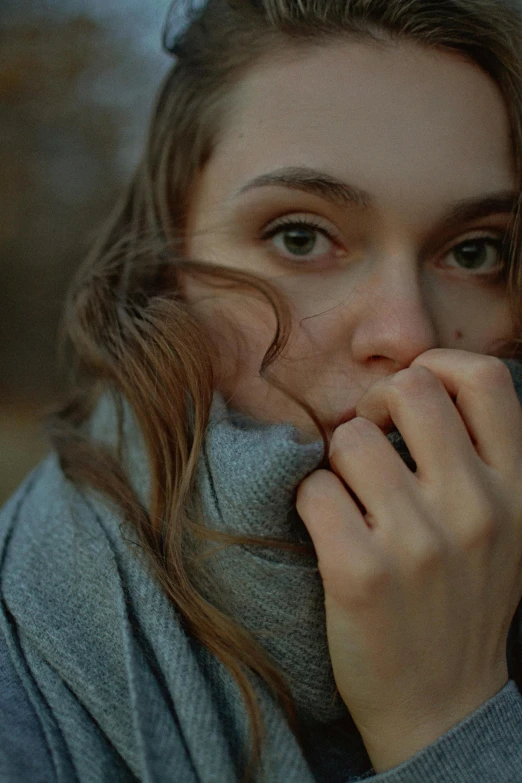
[[126, 330]]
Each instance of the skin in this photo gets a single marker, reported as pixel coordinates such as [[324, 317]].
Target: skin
[[421, 584], [428, 129], [420, 591]]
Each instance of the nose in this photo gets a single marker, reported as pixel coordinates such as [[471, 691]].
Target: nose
[[394, 323]]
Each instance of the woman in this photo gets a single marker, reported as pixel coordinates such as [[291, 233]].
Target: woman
[[331, 189]]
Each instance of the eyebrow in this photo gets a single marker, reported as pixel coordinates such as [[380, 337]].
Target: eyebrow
[[343, 194]]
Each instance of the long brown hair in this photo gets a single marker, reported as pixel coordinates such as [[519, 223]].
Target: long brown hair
[[127, 331]]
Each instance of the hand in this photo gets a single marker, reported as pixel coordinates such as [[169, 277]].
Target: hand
[[420, 590]]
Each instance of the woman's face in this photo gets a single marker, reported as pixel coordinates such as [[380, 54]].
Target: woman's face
[[384, 273]]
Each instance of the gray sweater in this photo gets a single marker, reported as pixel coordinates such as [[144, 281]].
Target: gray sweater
[[99, 680]]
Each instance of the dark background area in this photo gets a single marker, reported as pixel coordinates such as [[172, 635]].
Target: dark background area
[[77, 83]]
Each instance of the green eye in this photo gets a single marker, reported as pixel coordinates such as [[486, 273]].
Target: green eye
[[473, 254], [299, 233]]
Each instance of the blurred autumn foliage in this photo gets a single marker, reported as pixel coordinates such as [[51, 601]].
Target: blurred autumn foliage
[[74, 102]]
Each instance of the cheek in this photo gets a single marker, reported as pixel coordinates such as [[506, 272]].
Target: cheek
[[468, 317], [480, 328], [491, 318]]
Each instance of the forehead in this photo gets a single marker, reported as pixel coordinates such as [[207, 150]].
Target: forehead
[[411, 125]]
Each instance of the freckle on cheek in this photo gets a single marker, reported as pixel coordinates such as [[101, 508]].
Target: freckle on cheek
[[458, 335]]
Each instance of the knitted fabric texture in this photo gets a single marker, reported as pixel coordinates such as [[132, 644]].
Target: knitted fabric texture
[[120, 689]]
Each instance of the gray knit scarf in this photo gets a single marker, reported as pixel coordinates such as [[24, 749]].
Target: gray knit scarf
[[121, 690], [247, 479]]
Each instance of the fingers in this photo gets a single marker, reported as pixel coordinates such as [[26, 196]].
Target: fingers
[[401, 524], [365, 459], [337, 528], [485, 420], [486, 400], [416, 401]]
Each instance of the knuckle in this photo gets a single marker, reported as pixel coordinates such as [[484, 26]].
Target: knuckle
[[482, 527], [425, 551], [351, 434], [491, 370], [367, 580], [482, 530], [338, 439], [477, 520], [312, 486], [413, 380], [339, 444]]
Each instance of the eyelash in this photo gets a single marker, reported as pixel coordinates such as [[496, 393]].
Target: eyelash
[[294, 222]]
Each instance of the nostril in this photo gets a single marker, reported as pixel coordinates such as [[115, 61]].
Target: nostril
[[393, 365]]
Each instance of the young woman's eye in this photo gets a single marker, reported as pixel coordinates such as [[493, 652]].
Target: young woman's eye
[[483, 254], [303, 239], [306, 239]]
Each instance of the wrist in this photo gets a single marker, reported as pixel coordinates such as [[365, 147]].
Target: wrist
[[397, 739], [400, 741], [388, 753]]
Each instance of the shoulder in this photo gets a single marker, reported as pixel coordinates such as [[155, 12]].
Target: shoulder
[[63, 621], [41, 524], [44, 492], [80, 616], [61, 562], [44, 489], [20, 729]]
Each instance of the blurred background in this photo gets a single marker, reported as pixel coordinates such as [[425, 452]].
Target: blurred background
[[78, 79]]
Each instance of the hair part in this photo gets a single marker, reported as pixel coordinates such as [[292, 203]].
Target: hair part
[[126, 330]]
